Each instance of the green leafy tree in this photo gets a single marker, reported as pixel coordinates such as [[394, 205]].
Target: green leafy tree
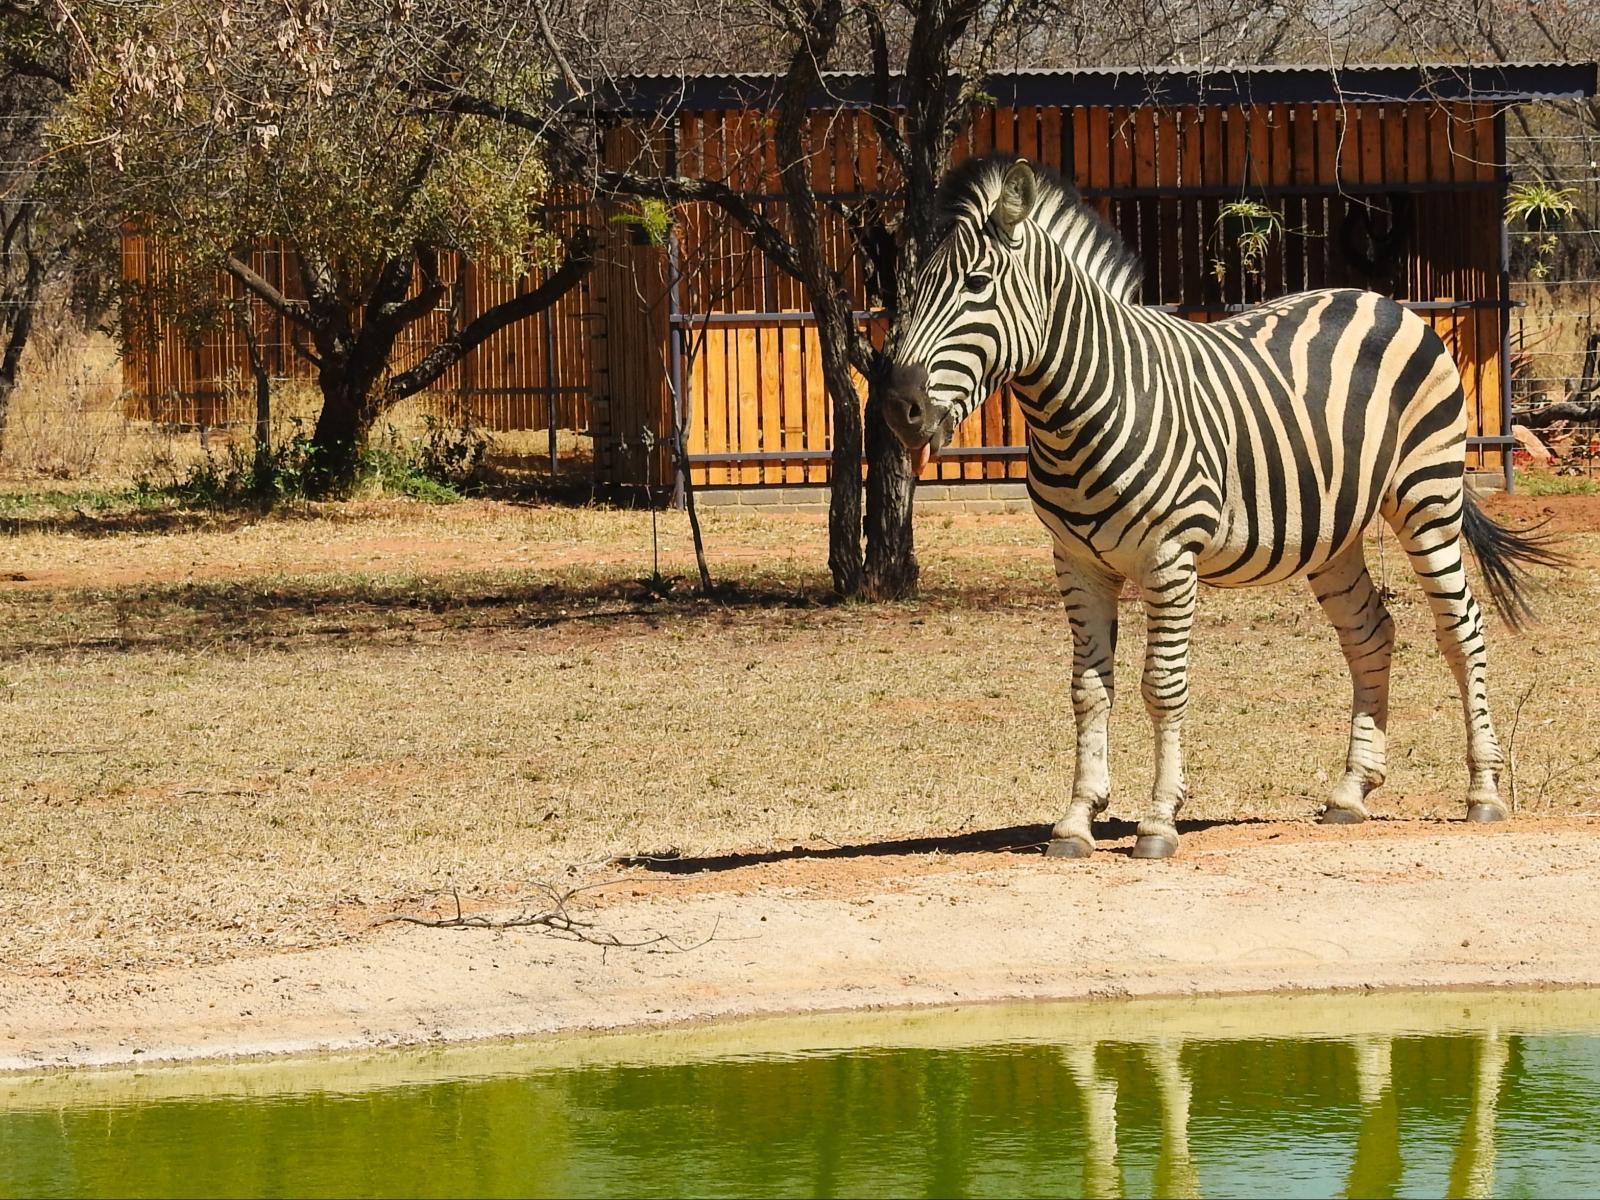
[[219, 126]]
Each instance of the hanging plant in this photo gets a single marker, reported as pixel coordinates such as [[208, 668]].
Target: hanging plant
[[650, 222], [1250, 225], [1542, 209]]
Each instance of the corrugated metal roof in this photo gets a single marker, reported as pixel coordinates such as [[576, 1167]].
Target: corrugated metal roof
[[1091, 86]]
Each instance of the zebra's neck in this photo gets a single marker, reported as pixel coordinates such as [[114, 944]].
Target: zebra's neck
[[1085, 359]]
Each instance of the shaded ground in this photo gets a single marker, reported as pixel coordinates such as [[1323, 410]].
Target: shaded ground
[[228, 741]]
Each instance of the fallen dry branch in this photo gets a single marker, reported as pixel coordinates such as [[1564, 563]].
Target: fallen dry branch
[[1566, 410], [557, 919]]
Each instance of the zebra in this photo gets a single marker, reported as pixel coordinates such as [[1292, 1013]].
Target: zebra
[[1238, 453]]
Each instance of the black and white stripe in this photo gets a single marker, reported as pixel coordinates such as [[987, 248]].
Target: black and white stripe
[[1166, 452]]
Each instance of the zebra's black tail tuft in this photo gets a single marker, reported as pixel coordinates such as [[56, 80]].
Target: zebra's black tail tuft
[[1504, 555]]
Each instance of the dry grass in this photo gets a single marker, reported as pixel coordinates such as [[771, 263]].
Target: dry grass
[[1549, 336], [65, 419], [67, 424], [226, 736]]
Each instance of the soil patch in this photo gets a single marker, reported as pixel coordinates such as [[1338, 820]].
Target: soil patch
[[1264, 907]]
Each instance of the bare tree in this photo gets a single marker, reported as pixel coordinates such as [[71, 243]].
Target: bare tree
[[929, 59]]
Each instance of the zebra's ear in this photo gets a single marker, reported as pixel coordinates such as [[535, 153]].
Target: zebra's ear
[[1018, 192]]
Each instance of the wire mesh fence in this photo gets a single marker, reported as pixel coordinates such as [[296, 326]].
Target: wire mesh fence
[[1555, 328]]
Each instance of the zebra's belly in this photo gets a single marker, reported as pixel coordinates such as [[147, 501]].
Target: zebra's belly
[[1272, 539]]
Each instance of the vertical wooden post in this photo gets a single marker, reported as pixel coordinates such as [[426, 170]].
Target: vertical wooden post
[[1502, 171]]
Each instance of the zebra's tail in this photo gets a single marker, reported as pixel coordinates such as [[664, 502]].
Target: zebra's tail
[[1504, 556]]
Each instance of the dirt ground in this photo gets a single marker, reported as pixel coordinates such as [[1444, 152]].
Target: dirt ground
[[1255, 908], [234, 746]]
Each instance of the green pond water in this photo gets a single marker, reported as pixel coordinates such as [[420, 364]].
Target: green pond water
[[1378, 1096]]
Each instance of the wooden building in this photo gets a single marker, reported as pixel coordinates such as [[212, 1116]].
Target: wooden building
[[1387, 177]]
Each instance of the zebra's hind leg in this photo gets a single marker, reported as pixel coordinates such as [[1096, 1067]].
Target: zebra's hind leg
[[1366, 635], [1169, 589], [1091, 600], [1429, 529]]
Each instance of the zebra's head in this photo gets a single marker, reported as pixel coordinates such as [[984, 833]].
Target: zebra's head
[[973, 320], [981, 311]]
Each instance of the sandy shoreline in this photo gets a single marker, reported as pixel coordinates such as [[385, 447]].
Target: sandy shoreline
[[1246, 909]]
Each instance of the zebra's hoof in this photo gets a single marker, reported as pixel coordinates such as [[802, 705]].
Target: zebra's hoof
[[1482, 813], [1154, 845], [1068, 847], [1342, 816]]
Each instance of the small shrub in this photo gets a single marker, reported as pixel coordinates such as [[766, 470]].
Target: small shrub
[[439, 467], [240, 476], [386, 469], [453, 455], [1542, 208]]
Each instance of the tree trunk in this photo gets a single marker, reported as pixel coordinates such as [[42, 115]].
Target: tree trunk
[[263, 389], [844, 493], [263, 416], [891, 568], [924, 153], [814, 43], [350, 407], [21, 302], [8, 368]]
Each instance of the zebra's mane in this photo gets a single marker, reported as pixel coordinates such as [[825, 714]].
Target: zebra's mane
[[971, 189]]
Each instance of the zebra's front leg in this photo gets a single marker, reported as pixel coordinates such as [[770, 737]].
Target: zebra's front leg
[[1091, 600], [1169, 596]]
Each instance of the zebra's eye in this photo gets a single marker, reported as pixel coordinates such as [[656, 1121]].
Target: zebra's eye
[[977, 281]]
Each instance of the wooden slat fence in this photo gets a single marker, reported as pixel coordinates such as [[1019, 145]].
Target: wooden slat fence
[[1403, 199], [199, 374]]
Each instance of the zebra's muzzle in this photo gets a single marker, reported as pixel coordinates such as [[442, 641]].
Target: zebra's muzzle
[[922, 426]]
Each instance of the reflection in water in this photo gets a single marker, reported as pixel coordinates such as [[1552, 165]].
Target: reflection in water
[[1375, 1171], [1459, 1114], [1377, 1165], [1101, 1179], [1472, 1172], [1175, 1173]]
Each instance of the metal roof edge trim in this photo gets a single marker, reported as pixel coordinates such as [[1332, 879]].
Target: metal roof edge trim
[[1161, 87]]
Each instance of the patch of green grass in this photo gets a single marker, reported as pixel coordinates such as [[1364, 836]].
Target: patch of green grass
[[388, 470], [65, 501], [1545, 483]]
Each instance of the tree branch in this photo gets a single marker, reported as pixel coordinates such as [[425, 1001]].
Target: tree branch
[[881, 110], [297, 311], [957, 18], [581, 162], [394, 281], [303, 350], [400, 313], [580, 257], [558, 919], [567, 75], [1565, 410], [977, 71]]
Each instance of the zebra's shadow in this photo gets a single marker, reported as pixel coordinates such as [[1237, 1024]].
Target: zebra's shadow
[[1013, 839]]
